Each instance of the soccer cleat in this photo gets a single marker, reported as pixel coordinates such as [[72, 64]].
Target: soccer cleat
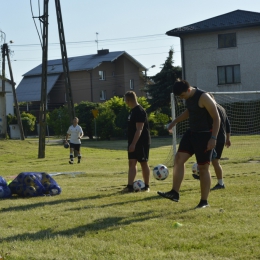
[[127, 190], [145, 189], [195, 176], [202, 204], [78, 161], [171, 195], [71, 162], [218, 187]]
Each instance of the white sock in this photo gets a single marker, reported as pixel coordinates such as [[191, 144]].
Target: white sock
[[220, 182]]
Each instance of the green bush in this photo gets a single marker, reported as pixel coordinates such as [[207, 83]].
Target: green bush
[[105, 123], [84, 112], [59, 121]]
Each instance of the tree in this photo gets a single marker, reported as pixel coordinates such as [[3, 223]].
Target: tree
[[84, 113], [160, 92]]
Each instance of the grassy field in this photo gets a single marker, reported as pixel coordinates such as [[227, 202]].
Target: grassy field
[[91, 219]]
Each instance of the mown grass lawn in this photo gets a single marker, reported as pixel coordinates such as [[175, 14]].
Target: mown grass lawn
[[91, 219]]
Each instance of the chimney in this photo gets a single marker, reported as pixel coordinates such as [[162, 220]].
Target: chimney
[[103, 52]]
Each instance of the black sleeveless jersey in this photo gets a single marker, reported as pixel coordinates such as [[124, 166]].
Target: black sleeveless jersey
[[199, 118]]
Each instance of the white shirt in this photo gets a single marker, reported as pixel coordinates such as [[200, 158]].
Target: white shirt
[[75, 132]]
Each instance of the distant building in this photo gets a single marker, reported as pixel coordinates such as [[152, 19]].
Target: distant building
[[95, 78], [222, 54]]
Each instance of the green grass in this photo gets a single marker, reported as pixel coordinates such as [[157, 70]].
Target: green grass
[[90, 219]]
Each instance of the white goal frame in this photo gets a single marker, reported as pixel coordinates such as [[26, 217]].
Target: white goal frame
[[254, 96]]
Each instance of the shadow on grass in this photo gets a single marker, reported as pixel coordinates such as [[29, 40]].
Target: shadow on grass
[[128, 202], [111, 223], [57, 202], [49, 203]]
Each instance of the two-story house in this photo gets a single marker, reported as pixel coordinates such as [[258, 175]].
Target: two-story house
[[95, 78], [222, 54]]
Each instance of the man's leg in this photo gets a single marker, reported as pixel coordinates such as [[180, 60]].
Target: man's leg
[[71, 161], [205, 181], [217, 168], [146, 173], [132, 163], [179, 169], [178, 174], [219, 174]]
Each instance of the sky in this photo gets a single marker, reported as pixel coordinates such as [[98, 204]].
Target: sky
[[135, 26]]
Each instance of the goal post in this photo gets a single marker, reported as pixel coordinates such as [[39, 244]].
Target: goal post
[[243, 111]]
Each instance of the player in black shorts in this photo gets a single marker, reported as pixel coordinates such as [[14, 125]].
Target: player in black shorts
[[200, 138], [223, 139], [138, 142]]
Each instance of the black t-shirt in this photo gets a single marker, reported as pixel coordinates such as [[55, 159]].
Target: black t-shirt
[[224, 124], [138, 115], [199, 118]]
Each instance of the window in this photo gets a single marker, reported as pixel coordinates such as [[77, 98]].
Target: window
[[229, 74], [227, 40], [103, 95], [101, 74], [132, 85]]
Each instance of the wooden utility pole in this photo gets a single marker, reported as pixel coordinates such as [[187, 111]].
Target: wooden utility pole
[[65, 61], [18, 115], [5, 52], [43, 106]]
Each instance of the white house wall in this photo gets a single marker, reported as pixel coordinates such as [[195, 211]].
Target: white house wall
[[9, 98], [202, 57]]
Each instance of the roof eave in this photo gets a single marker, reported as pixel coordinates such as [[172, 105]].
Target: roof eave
[[180, 33]]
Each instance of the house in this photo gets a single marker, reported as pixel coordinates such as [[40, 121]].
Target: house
[[95, 78], [6, 104], [222, 54]]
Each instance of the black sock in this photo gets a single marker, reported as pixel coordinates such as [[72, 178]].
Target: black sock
[[174, 192], [203, 202]]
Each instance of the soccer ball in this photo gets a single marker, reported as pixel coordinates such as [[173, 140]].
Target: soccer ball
[[66, 145], [29, 180], [138, 185], [160, 172], [30, 191], [195, 169]]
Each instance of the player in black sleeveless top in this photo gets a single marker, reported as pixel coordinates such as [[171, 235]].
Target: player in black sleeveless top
[[138, 142], [199, 139]]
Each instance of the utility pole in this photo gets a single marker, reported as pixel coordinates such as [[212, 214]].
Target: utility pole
[[65, 61], [18, 115], [43, 106], [5, 52]]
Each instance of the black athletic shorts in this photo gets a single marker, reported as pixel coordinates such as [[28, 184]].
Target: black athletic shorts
[[141, 153], [219, 149], [196, 143], [75, 146]]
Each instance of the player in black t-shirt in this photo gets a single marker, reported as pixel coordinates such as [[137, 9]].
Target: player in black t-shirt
[[138, 142], [200, 139], [223, 139]]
